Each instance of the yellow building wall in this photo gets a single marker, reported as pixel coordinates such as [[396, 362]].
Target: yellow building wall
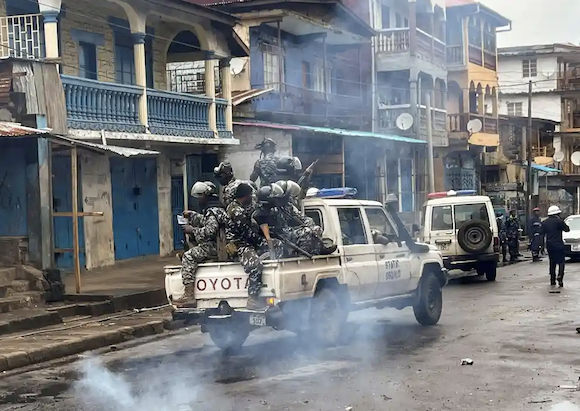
[[481, 75]]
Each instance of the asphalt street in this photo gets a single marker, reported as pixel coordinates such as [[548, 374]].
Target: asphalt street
[[522, 340]]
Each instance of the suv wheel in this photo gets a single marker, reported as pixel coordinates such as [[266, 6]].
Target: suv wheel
[[491, 271], [474, 236], [327, 317], [429, 304]]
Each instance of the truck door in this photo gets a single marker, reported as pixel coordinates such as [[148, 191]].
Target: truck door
[[358, 253], [393, 260], [441, 229]]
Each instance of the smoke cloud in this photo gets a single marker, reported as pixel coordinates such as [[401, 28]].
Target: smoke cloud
[[161, 388]]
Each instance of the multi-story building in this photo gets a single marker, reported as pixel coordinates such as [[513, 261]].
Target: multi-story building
[[472, 107], [307, 85], [115, 89]]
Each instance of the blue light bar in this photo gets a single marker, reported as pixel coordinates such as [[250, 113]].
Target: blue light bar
[[342, 192], [466, 192]]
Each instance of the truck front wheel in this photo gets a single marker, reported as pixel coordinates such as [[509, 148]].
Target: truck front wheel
[[327, 317], [429, 303], [228, 337]]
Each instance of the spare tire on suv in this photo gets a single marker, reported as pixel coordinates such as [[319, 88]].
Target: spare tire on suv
[[474, 236]]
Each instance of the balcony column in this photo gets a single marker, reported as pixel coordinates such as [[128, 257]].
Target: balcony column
[[50, 10], [226, 75], [210, 93], [412, 26], [141, 74]]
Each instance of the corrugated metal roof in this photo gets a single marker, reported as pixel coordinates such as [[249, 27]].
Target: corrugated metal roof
[[335, 131], [8, 129], [545, 169], [243, 96]]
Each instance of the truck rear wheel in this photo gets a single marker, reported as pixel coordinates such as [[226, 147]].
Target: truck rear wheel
[[327, 317], [228, 337], [429, 304]]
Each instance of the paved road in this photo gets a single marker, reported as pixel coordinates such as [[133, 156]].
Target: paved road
[[522, 340]]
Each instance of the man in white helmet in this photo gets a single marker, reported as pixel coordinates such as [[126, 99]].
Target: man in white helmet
[[552, 228], [204, 232]]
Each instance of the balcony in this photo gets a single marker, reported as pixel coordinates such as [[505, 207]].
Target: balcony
[[455, 57], [295, 103], [96, 105], [388, 122], [22, 36], [457, 124], [391, 42]]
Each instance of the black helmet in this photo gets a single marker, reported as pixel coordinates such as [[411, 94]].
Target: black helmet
[[268, 194], [267, 144]]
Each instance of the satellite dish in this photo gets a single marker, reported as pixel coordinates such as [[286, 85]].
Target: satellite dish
[[474, 126], [558, 156], [404, 121], [237, 65], [575, 158]]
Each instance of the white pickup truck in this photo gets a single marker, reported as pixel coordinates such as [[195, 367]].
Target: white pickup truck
[[314, 296]]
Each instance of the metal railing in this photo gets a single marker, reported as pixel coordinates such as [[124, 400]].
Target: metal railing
[[191, 80], [457, 123], [455, 56], [22, 36], [95, 105]]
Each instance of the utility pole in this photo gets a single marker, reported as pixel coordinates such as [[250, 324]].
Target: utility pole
[[430, 154], [529, 157]]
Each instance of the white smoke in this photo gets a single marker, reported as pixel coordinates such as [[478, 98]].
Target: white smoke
[[161, 388]]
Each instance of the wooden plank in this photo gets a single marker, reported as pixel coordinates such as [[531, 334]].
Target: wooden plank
[[75, 222], [79, 214], [54, 99], [24, 81], [66, 250]]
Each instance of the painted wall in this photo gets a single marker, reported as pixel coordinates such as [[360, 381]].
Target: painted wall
[[510, 73], [245, 155], [546, 106], [96, 195], [164, 205]]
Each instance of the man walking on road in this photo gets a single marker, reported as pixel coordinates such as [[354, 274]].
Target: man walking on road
[[552, 228]]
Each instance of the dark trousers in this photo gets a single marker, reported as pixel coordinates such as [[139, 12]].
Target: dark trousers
[[557, 258]]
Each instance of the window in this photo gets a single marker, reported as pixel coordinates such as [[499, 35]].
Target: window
[[467, 212], [515, 109], [442, 219], [379, 221], [398, 20], [273, 67], [125, 59], [351, 226], [322, 80], [530, 68], [401, 182], [386, 17], [87, 60], [316, 217]]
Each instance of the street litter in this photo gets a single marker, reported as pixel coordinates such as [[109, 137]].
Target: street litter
[[348, 409], [569, 387], [466, 361], [539, 401]]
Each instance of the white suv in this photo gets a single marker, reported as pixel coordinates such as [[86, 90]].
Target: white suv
[[464, 229]]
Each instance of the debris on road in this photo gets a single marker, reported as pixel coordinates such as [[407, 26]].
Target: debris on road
[[466, 361], [569, 387], [348, 409], [539, 401]]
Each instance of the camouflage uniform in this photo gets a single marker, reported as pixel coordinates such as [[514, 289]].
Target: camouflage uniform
[[230, 188], [301, 229], [205, 233], [244, 233], [266, 169]]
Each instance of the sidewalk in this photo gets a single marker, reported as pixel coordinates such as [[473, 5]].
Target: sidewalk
[[116, 304]]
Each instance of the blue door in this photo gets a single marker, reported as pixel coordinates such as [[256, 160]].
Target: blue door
[[177, 208], [61, 200], [13, 199], [135, 212]]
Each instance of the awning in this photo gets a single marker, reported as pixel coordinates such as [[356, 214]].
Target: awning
[[545, 169], [15, 130], [334, 131]]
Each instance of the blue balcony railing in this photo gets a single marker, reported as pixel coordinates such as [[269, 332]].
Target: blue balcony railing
[[221, 108], [96, 105], [178, 114]]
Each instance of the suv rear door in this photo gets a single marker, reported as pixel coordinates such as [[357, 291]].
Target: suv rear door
[[442, 228], [393, 261], [462, 213]]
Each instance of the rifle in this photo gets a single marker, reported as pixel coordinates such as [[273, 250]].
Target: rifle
[[290, 244], [306, 172]]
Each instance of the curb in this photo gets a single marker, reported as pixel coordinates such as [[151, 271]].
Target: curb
[[20, 359]]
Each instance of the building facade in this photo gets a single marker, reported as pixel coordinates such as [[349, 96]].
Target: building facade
[[473, 91], [115, 89]]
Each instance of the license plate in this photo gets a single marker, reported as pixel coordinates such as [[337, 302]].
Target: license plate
[[576, 247], [443, 247], [258, 320]]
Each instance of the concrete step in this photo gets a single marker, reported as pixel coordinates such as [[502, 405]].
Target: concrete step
[[7, 274], [28, 319], [21, 300], [14, 287]]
